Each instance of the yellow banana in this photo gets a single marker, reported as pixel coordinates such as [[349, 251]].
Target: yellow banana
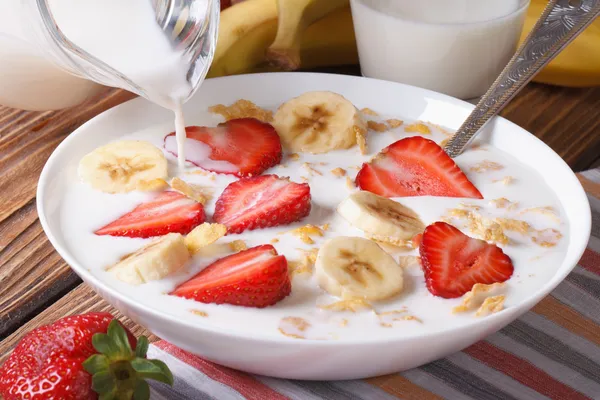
[[579, 64], [329, 41], [237, 21], [294, 17]]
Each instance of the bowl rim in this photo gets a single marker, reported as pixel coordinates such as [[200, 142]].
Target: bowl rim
[[87, 276]]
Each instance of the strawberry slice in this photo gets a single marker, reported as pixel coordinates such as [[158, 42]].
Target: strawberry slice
[[261, 202], [241, 147], [415, 166], [257, 277], [169, 212], [453, 262]]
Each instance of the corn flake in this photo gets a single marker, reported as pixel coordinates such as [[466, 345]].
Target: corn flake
[[352, 305], [504, 203], [377, 126], [361, 139], [485, 166], [191, 191], [477, 296], [242, 109], [547, 237], [547, 211], [238, 245], [417, 127], [491, 305], [204, 235], [394, 123], [368, 111], [294, 327]]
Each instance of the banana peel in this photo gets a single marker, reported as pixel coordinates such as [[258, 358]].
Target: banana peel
[[578, 65], [330, 41]]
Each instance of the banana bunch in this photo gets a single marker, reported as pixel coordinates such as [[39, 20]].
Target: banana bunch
[[276, 35], [579, 63]]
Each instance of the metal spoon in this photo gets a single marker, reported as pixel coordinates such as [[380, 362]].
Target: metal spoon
[[560, 23]]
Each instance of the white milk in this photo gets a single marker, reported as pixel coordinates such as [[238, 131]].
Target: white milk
[[83, 210], [457, 47]]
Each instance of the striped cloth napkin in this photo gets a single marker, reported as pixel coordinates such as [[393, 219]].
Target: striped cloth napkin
[[553, 352]]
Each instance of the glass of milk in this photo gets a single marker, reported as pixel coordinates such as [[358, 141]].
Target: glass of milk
[[456, 47]]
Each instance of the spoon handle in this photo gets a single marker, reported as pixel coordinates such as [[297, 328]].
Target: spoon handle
[[560, 23]]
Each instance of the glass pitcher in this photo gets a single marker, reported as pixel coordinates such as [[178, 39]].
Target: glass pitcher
[[158, 49]]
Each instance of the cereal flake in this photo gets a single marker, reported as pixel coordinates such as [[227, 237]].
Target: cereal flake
[[486, 165], [377, 126], [237, 245], [339, 172], [547, 211], [368, 111], [294, 327], [491, 305], [311, 170], [191, 191], [547, 237], [352, 305], [392, 240], [199, 313], [361, 139], [204, 235], [503, 202], [349, 183], [305, 232], [417, 127], [515, 225], [394, 123], [242, 109], [477, 296]]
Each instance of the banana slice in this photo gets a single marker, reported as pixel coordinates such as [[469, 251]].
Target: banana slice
[[353, 267], [123, 166], [152, 262], [383, 219], [318, 122]]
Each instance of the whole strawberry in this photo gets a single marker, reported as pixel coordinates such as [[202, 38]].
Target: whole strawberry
[[80, 357]]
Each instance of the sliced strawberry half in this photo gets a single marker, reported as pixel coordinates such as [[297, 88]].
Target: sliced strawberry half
[[241, 147], [261, 202], [169, 212], [415, 166], [453, 262], [257, 277]]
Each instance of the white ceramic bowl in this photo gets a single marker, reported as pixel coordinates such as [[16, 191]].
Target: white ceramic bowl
[[306, 359]]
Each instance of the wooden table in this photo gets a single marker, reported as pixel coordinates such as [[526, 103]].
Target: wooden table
[[37, 287]]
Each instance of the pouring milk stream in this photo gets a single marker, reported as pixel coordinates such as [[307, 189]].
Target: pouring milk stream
[[159, 49]]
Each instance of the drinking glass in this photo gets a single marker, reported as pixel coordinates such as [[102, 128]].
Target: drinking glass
[[456, 47]]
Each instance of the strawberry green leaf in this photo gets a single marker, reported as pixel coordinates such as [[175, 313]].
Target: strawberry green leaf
[[103, 343], [142, 347], [152, 369], [96, 363], [104, 382], [117, 334], [142, 390]]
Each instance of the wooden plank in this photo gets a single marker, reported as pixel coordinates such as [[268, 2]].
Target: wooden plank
[[32, 275], [79, 301], [564, 118]]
